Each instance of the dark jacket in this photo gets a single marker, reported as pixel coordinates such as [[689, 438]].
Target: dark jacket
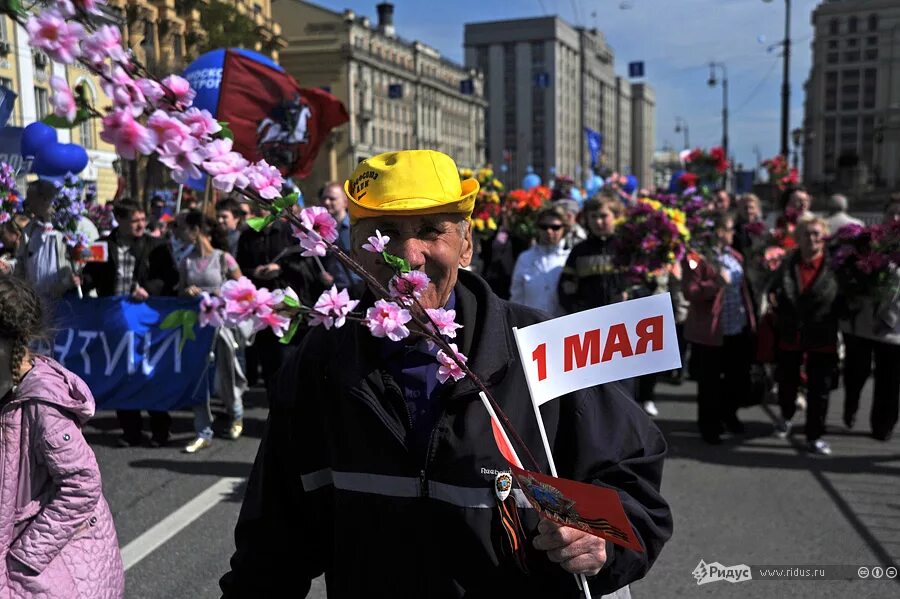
[[154, 267], [811, 317], [256, 248], [336, 482], [590, 279]]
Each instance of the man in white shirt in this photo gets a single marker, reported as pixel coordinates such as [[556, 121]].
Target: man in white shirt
[[837, 214]]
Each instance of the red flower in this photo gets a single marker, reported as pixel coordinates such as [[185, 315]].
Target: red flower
[[687, 180]]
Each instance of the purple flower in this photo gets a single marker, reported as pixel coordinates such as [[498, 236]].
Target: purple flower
[[376, 243], [211, 310], [59, 38], [849, 232], [321, 229], [62, 100], [105, 42], [180, 90], [226, 167], [265, 180], [408, 286], [332, 308], [444, 320]]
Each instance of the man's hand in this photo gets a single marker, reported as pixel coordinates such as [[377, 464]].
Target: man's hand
[[724, 277], [193, 291], [267, 272], [5, 268], [139, 294], [326, 278], [576, 551]]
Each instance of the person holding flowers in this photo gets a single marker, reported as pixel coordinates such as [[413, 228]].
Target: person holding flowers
[[386, 459], [202, 273], [719, 326], [803, 295]]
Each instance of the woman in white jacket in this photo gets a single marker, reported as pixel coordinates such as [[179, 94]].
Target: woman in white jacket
[[537, 271]]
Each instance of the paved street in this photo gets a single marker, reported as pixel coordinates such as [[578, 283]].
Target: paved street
[[759, 502]]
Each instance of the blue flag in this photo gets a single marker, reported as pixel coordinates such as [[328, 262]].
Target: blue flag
[[136, 355], [594, 143], [7, 103]]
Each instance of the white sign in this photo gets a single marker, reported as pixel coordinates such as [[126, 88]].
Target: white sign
[[597, 346]]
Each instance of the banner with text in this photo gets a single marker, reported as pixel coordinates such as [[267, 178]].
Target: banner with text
[[597, 346], [135, 355]]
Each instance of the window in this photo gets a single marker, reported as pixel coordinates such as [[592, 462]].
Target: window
[[4, 34], [851, 56], [831, 58], [852, 42], [873, 22], [828, 148], [852, 24], [41, 102], [872, 40], [833, 27], [871, 54], [86, 133], [832, 44], [869, 87], [177, 49]]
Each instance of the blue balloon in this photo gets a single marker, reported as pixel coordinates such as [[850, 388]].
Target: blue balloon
[[58, 159], [593, 184], [530, 180], [631, 185], [674, 187], [36, 136], [575, 194]]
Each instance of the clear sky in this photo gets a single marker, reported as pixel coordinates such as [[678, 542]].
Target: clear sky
[[675, 38]]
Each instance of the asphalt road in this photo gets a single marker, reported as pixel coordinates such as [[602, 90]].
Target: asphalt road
[[756, 500]]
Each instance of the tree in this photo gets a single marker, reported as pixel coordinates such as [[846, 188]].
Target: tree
[[227, 28]]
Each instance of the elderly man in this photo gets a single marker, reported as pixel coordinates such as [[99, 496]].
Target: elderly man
[[837, 214], [382, 479]]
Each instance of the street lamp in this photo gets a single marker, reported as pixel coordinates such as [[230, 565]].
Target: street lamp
[[712, 83], [681, 126], [786, 78]]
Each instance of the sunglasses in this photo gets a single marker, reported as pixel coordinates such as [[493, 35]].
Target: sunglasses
[[550, 227]]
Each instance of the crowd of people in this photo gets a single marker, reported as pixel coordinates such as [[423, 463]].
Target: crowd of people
[[750, 328]]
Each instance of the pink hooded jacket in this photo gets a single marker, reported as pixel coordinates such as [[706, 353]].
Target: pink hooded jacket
[[57, 537]]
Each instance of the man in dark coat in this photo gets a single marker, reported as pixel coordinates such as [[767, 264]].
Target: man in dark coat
[[378, 476], [138, 266]]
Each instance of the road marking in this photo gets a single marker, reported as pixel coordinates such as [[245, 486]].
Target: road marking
[[172, 524]]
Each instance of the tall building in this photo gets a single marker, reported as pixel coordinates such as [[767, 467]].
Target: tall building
[[164, 35], [546, 82], [399, 94], [852, 116], [643, 132]]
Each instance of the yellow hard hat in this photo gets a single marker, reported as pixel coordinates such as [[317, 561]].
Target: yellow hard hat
[[407, 183]]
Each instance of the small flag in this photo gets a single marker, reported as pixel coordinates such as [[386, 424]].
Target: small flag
[[395, 91], [7, 103], [636, 69]]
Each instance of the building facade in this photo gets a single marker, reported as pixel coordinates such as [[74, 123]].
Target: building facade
[[164, 35], [852, 112], [546, 82], [399, 94]]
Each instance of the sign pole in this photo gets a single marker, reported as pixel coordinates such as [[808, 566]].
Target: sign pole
[[579, 578]]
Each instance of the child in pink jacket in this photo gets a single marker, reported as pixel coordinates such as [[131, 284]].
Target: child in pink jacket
[[57, 538]]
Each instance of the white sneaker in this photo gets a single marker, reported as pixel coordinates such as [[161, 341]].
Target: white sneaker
[[819, 447], [783, 429], [650, 408], [801, 402]]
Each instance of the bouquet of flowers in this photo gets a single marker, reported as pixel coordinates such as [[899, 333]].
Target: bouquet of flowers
[[864, 259], [691, 205], [10, 201], [648, 239], [780, 173], [521, 208], [487, 210], [102, 216], [68, 209], [706, 167]]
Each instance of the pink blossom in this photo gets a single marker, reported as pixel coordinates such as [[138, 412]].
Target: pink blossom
[[68, 7], [444, 320], [123, 90], [449, 368], [266, 317], [240, 299], [167, 127], [332, 308], [210, 310], [128, 136], [321, 229], [62, 100], [105, 42], [265, 180], [51, 33], [225, 166], [409, 285], [152, 90], [200, 122], [180, 89], [387, 319], [376, 243], [182, 156]]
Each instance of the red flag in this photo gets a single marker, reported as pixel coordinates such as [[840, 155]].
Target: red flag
[[272, 117]]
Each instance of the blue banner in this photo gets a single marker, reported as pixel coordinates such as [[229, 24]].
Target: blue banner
[[127, 359], [594, 143]]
